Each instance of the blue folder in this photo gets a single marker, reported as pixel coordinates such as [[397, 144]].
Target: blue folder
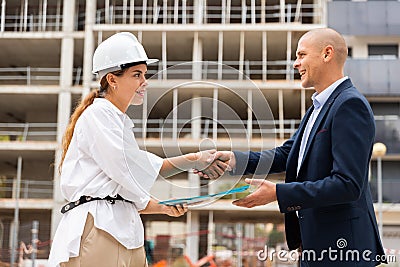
[[199, 199]]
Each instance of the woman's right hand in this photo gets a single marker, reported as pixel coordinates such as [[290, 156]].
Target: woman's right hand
[[174, 211], [222, 161]]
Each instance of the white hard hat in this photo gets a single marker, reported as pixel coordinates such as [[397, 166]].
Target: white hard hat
[[116, 51]]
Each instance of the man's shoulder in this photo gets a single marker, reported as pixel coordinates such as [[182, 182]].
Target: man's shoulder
[[350, 93]]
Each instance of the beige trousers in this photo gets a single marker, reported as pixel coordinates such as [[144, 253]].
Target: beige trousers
[[100, 249]]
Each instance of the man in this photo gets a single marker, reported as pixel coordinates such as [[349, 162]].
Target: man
[[326, 196]]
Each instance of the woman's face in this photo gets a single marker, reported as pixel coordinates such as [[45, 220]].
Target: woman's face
[[131, 86]]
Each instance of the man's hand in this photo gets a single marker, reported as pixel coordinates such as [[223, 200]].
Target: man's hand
[[223, 161], [265, 193], [204, 159]]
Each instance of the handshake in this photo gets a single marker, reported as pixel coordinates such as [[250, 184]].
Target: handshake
[[213, 164]]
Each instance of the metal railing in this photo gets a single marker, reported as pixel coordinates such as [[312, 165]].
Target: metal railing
[[227, 70], [157, 128], [32, 23], [209, 14], [307, 13], [145, 15], [28, 131], [180, 128], [40, 189], [177, 13], [31, 75]]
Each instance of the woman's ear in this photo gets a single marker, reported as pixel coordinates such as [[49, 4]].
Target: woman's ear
[[111, 80]]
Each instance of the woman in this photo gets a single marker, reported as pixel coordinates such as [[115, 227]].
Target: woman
[[104, 174]]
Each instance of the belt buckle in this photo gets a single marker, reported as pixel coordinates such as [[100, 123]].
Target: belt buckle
[[111, 200]]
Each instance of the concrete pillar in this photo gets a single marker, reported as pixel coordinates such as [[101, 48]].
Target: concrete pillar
[[281, 114], [90, 18], [64, 102], [210, 235], [3, 16], [288, 55], [192, 239], [164, 55], [196, 117], [302, 102], [220, 53], [215, 114], [193, 221], [360, 48], [264, 56], [197, 57], [198, 11], [241, 55], [249, 114], [282, 11]]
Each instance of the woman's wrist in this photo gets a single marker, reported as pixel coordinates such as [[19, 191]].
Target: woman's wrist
[[194, 158]]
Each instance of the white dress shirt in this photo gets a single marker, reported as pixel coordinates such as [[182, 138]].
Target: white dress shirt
[[104, 159], [318, 102]]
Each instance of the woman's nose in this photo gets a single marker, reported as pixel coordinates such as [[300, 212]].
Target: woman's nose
[[144, 83]]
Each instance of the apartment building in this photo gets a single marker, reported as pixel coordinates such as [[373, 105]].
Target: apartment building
[[224, 80]]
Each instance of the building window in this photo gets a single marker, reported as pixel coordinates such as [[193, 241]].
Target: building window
[[388, 51]]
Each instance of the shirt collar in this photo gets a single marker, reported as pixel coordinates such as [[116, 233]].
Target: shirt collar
[[109, 104], [125, 118], [320, 99]]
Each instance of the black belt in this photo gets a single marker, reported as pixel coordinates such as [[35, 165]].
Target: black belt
[[84, 199]]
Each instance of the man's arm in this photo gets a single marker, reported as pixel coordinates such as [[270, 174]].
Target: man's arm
[[353, 131], [352, 137], [242, 163]]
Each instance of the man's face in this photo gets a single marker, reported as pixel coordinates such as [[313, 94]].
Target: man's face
[[309, 62]]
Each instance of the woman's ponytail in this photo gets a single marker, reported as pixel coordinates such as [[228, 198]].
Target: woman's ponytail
[[87, 101]]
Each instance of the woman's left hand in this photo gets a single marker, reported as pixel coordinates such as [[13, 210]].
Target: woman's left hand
[[174, 211]]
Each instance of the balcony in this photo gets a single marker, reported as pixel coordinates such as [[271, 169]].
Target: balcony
[[388, 132], [35, 76], [28, 131], [227, 70], [375, 76], [215, 12], [223, 128], [376, 17], [29, 188]]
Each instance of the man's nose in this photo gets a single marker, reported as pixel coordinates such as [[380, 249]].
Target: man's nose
[[296, 64]]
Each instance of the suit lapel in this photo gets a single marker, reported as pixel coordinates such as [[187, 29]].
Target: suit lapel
[[345, 84], [294, 153]]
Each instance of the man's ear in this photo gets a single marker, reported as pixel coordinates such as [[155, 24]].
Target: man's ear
[[328, 53]]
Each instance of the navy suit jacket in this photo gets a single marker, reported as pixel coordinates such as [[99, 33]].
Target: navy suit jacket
[[331, 192]]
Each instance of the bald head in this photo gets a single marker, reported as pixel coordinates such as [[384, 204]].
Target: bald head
[[321, 38]]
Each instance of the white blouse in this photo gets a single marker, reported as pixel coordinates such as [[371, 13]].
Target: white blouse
[[104, 159]]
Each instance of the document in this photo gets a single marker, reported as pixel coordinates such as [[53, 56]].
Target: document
[[200, 199]]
